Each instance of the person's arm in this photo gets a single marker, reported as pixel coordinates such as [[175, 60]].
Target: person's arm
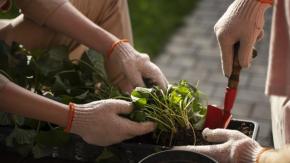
[[234, 147], [15, 99], [62, 16], [98, 122], [243, 22], [126, 67], [272, 156]]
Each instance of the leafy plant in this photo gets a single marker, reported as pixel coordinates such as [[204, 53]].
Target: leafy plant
[[178, 109], [49, 72]]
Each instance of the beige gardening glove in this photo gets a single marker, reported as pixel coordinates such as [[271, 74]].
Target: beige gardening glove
[[128, 68], [100, 123], [235, 148], [242, 22]]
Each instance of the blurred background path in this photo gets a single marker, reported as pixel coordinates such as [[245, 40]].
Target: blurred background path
[[193, 54]]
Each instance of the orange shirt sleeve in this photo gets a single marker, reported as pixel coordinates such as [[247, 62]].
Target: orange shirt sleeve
[[39, 10]]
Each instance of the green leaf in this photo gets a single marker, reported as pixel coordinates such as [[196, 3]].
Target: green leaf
[[4, 53], [40, 151], [55, 137], [5, 119], [142, 92], [139, 102], [175, 98], [19, 120], [53, 61], [13, 12], [20, 137], [139, 96], [105, 155], [138, 116]]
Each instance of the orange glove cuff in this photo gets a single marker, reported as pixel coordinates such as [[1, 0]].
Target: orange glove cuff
[[266, 1], [114, 45], [71, 114]]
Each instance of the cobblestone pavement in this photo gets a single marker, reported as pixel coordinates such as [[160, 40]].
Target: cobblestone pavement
[[193, 54]]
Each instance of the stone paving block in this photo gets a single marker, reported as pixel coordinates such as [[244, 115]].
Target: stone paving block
[[258, 70], [257, 83], [192, 31], [163, 59], [266, 141], [183, 62], [216, 78], [193, 76], [242, 110], [208, 65], [244, 81], [211, 52], [215, 101], [181, 40], [252, 95], [207, 89], [178, 50], [265, 132], [219, 92], [261, 111], [172, 73]]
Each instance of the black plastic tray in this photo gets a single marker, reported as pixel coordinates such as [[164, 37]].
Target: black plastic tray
[[125, 152]]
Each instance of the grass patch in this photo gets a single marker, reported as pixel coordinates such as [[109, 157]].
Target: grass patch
[[154, 21]]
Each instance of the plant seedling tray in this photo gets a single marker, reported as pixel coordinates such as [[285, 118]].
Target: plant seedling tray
[[130, 151]]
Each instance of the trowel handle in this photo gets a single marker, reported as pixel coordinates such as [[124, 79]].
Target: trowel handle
[[233, 81]]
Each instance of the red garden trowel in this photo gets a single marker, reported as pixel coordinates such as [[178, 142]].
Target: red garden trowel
[[220, 118]]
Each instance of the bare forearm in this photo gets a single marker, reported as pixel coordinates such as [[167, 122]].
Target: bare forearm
[[273, 156], [65, 18], [14, 99], [71, 22]]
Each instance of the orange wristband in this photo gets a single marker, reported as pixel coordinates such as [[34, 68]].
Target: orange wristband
[[71, 114], [114, 45], [267, 1], [260, 153]]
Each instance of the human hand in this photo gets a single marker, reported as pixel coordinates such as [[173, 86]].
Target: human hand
[[235, 147], [100, 123], [242, 22], [127, 69]]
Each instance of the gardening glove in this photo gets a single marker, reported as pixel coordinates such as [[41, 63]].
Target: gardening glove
[[128, 68], [286, 108], [242, 22], [100, 123], [235, 147]]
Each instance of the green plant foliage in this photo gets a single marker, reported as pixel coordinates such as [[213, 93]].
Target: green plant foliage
[[181, 106], [11, 13], [49, 73]]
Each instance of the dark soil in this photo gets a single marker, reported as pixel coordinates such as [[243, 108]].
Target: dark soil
[[189, 138]]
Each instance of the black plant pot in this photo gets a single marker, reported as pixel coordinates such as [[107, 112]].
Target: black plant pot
[[175, 156], [136, 150], [131, 151]]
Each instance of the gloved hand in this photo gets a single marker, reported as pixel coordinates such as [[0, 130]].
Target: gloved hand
[[126, 69], [242, 22], [286, 108], [236, 146], [99, 122]]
